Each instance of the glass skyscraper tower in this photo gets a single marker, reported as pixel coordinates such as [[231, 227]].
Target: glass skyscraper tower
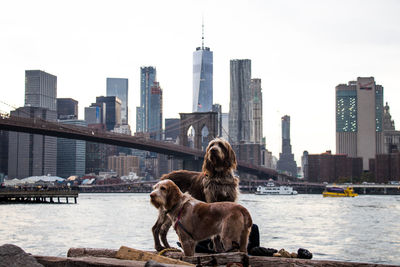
[[149, 114], [202, 78], [119, 87]]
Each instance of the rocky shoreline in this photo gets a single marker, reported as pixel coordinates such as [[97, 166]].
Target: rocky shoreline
[[11, 255]]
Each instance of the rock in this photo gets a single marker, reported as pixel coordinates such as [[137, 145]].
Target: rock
[[277, 255], [293, 255], [303, 253], [13, 256], [152, 263], [284, 253], [261, 251]]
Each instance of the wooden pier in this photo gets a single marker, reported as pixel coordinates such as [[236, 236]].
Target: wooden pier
[[53, 195]]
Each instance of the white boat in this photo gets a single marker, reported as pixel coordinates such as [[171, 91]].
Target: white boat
[[271, 189]]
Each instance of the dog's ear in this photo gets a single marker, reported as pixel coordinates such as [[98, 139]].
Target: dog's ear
[[173, 195], [231, 159]]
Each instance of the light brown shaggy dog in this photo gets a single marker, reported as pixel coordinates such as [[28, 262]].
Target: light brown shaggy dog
[[227, 223], [215, 183]]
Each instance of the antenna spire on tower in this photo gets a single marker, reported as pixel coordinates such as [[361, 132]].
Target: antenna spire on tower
[[202, 33]]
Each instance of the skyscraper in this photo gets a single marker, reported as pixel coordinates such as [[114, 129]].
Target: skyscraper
[[149, 114], [119, 87], [32, 154], [359, 119], [67, 109], [240, 97], [148, 76], [155, 112], [71, 153], [40, 89], [286, 158], [256, 112], [113, 110], [202, 78]]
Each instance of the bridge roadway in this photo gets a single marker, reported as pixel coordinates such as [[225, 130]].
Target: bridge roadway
[[43, 127]]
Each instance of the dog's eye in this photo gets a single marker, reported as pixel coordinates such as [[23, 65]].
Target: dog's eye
[[162, 188]]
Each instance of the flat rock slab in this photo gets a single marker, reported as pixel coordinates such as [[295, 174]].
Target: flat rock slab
[[92, 262], [14, 256], [254, 261]]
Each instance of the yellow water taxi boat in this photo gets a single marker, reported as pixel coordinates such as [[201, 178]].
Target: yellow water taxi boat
[[339, 192]]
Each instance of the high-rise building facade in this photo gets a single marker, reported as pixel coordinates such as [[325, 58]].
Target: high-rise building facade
[[40, 89], [240, 97], [67, 109], [359, 119], [172, 129], [119, 87], [124, 164], [71, 153], [155, 117], [286, 160], [3, 152], [149, 114], [32, 154], [112, 110], [148, 76], [202, 78], [256, 112]]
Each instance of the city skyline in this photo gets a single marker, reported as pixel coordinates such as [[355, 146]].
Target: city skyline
[[300, 51]]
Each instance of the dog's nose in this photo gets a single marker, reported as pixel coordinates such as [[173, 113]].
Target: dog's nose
[[152, 194]]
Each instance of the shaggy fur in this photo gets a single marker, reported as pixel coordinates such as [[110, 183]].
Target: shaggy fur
[[215, 183], [227, 223]]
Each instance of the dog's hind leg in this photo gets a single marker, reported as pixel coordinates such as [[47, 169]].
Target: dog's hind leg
[[164, 231], [157, 228]]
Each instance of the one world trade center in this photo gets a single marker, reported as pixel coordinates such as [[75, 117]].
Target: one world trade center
[[202, 78]]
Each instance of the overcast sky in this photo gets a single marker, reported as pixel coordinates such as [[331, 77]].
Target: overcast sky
[[300, 49]]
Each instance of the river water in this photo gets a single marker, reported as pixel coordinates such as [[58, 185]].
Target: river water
[[362, 229]]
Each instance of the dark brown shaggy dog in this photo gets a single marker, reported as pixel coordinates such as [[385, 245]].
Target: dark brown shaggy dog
[[227, 223], [215, 183]]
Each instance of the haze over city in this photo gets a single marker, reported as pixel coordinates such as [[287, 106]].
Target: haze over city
[[300, 50]]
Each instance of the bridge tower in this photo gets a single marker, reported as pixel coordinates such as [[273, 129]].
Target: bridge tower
[[197, 129]]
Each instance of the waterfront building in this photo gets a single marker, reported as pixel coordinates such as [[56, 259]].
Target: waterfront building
[[32, 154], [40, 89], [3, 153], [359, 119], [286, 160], [113, 110], [124, 164], [71, 153], [119, 87], [268, 160], [329, 168], [386, 167], [391, 136], [202, 78], [67, 109]]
